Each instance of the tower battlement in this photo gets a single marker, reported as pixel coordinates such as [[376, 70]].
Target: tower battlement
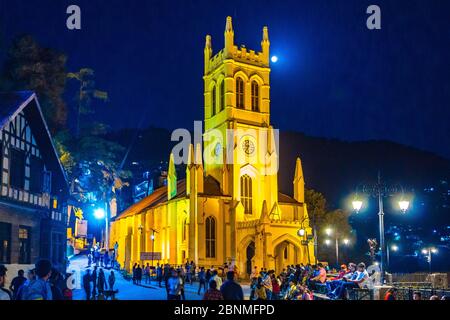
[[237, 53]]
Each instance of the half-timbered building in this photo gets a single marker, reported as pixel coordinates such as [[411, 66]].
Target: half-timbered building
[[33, 185]]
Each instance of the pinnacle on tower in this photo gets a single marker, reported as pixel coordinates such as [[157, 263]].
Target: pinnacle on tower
[[229, 38]]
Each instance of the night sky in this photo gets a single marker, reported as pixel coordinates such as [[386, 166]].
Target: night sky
[[334, 78]]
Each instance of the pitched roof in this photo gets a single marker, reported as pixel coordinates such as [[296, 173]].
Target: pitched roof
[[158, 196], [284, 198], [11, 104]]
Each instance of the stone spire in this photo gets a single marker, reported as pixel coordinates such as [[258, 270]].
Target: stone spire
[[265, 44], [171, 179], [299, 182], [199, 167], [208, 52], [229, 38], [189, 164]]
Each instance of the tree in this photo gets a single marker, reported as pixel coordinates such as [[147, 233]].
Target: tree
[[86, 93], [29, 66], [321, 219]]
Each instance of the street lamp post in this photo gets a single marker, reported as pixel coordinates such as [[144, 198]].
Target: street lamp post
[[388, 253], [304, 234], [346, 241], [380, 191], [428, 252], [100, 213], [153, 244]]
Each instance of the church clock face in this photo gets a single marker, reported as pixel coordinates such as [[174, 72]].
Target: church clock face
[[248, 146]]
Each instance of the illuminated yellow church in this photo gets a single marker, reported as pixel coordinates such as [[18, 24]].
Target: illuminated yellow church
[[228, 208]]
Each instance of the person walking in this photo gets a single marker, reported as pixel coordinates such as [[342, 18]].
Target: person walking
[[147, 273], [174, 286], [201, 280], [39, 289], [212, 293], [216, 278], [94, 283], [4, 293], [159, 274], [231, 290], [134, 273], [260, 290], [138, 275], [16, 283], [111, 280], [101, 283], [55, 285], [182, 283], [208, 276], [87, 284]]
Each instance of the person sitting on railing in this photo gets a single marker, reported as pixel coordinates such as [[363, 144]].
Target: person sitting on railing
[[350, 274], [319, 277], [361, 280]]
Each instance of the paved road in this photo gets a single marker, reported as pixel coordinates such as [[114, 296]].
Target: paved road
[[128, 291]]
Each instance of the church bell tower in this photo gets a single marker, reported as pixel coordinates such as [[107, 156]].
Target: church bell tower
[[240, 146]]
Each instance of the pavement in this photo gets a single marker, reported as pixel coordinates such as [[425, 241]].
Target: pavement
[[127, 290]]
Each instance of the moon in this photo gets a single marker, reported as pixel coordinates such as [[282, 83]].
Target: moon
[[274, 59]]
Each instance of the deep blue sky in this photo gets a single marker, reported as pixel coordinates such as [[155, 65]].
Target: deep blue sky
[[335, 78]]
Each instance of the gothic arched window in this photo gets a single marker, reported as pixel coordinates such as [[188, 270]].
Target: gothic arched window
[[222, 95], [255, 96], [246, 193], [213, 101], [239, 92], [184, 229], [210, 236]]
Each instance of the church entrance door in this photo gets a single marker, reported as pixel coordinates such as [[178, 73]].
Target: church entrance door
[[250, 254]]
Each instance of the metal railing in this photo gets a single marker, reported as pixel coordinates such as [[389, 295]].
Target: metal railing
[[404, 293]]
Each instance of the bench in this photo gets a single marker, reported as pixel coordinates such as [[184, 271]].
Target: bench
[[320, 296]]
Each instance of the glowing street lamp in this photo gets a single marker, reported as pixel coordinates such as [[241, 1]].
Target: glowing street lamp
[[404, 205], [327, 242], [394, 248], [346, 242], [428, 252], [99, 213], [380, 191], [328, 231], [357, 205], [301, 232]]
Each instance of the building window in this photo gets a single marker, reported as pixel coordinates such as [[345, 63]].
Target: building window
[[222, 95], [239, 93], [184, 229], [36, 174], [255, 96], [17, 169], [24, 245], [213, 101], [5, 243], [246, 193], [286, 253], [210, 237], [57, 247]]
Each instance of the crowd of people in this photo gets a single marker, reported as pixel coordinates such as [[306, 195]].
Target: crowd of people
[[296, 282], [299, 282], [43, 282], [95, 285]]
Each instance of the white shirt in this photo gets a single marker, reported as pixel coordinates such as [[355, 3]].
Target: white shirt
[[4, 295]]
